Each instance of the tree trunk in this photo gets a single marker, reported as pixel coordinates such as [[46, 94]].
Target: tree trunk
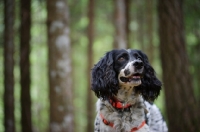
[[60, 76], [120, 39], [90, 105], [127, 17], [149, 31], [25, 65], [141, 24], [9, 119], [182, 108]]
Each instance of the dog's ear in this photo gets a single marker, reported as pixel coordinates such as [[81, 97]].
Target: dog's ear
[[151, 86], [104, 81]]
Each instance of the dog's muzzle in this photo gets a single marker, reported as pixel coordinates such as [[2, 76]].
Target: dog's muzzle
[[132, 73]]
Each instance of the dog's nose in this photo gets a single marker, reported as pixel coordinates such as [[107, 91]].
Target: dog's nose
[[138, 64]]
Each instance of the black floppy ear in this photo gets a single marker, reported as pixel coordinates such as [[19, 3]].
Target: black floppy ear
[[104, 80], [151, 86]]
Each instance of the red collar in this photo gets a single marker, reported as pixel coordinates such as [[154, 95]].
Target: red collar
[[137, 128], [112, 125], [106, 122], [117, 104]]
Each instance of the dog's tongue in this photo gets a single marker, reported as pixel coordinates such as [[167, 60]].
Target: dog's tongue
[[124, 79], [136, 77]]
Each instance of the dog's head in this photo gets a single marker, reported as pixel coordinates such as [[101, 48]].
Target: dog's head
[[126, 68]]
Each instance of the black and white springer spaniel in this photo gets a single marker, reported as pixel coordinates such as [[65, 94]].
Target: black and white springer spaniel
[[126, 86]]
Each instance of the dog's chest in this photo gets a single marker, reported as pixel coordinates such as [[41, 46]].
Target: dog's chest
[[123, 119], [127, 95]]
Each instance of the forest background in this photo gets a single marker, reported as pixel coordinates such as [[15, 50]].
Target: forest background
[[95, 28]]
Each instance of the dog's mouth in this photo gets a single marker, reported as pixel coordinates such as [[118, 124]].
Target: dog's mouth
[[133, 78]]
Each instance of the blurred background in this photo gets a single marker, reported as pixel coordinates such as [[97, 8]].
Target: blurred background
[[48, 47]]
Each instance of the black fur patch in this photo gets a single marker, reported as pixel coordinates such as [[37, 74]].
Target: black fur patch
[[127, 72]]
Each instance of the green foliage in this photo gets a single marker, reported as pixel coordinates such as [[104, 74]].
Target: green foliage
[[192, 33], [1, 66], [39, 67], [1, 92], [79, 41], [1, 25]]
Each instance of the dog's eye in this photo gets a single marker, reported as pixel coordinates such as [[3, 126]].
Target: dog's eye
[[121, 59], [139, 58]]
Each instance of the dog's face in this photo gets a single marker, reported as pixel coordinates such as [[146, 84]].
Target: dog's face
[[129, 68]]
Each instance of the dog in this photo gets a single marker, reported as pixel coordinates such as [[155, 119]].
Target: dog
[[126, 85]]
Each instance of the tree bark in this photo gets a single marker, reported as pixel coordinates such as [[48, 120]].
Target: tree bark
[[149, 31], [90, 105], [25, 37], [182, 108], [120, 39], [141, 23], [127, 17], [60, 76], [9, 119]]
